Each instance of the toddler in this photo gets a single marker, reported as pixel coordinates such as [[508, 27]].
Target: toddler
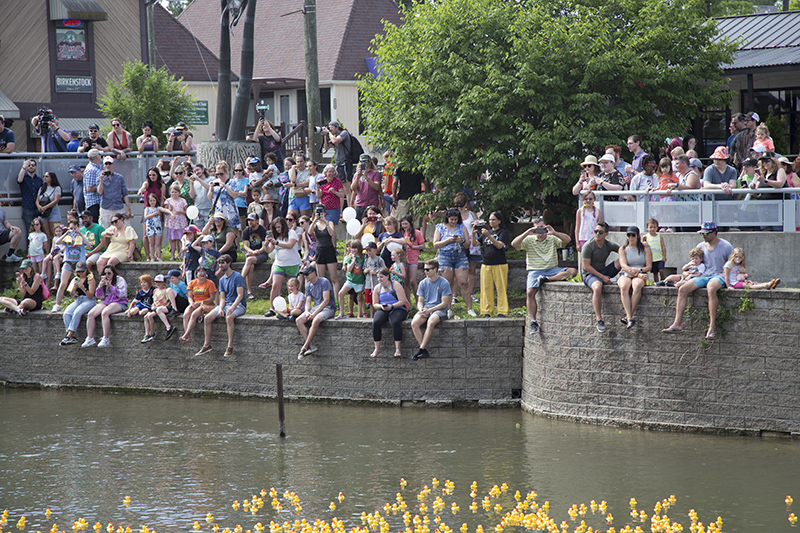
[[295, 302], [657, 248], [143, 301], [736, 276], [353, 265], [693, 269]]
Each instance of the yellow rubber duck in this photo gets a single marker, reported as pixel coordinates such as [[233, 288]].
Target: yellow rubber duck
[[21, 523], [127, 501], [332, 506], [792, 519], [788, 500], [341, 497], [197, 526]]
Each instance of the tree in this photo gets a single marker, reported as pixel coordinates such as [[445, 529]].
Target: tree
[[142, 93], [176, 7], [777, 130], [525, 89]]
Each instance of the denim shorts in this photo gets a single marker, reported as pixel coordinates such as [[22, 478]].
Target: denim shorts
[[533, 276], [300, 204], [703, 281], [455, 259], [239, 311], [610, 270], [658, 266]]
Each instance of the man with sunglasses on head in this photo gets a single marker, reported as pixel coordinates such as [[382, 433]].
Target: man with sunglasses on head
[[113, 193], [94, 141], [596, 273]]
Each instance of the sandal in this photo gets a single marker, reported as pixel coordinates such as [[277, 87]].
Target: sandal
[[265, 285], [774, 283], [711, 335], [630, 323], [398, 354]]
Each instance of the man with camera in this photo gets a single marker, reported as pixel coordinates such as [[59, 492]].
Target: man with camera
[[366, 186], [270, 141], [339, 138], [113, 193], [91, 180], [179, 140], [7, 139], [45, 125], [94, 141], [541, 243]]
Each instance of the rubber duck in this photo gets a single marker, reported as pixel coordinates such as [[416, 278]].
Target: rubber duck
[[788, 501], [127, 501], [792, 519]]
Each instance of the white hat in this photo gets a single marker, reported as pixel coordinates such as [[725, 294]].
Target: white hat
[[608, 157], [108, 159]]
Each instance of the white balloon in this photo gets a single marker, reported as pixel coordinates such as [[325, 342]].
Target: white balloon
[[279, 303], [366, 239], [192, 212], [348, 214], [353, 226], [392, 246]]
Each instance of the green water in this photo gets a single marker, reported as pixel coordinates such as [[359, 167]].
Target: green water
[[81, 453]]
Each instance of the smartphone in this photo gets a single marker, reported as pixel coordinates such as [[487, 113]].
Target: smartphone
[[363, 167], [540, 231]]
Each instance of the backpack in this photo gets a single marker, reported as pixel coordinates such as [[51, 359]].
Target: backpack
[[354, 150]]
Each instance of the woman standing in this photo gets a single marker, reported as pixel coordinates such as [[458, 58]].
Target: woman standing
[[147, 142], [154, 185], [325, 235], [223, 196], [240, 183], [113, 293], [635, 260], [287, 259], [452, 242], [330, 194], [589, 177], [391, 305], [121, 243], [415, 243], [269, 139], [31, 290], [179, 172], [82, 288], [47, 204], [224, 236], [468, 218], [314, 177], [494, 272]]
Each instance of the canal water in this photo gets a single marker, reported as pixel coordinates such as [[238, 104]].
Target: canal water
[[81, 453]]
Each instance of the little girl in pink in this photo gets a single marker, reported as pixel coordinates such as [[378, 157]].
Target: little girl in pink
[[586, 220], [175, 223]]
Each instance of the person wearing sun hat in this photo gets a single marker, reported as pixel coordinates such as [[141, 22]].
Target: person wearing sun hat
[[720, 175], [589, 175], [610, 178], [716, 252]]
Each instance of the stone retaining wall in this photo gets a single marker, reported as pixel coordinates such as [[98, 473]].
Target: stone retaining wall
[[748, 381], [475, 361]]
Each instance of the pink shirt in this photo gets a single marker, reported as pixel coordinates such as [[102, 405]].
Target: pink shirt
[[366, 195]]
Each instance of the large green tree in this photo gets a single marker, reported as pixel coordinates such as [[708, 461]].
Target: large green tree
[[525, 89], [142, 93]]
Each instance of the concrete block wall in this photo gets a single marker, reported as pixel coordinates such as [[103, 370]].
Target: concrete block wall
[[475, 361], [748, 381]]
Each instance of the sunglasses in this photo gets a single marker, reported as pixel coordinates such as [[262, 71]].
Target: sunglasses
[[107, 272], [178, 173], [289, 220], [220, 173], [93, 131], [116, 124], [428, 268], [31, 165], [598, 232], [238, 170]]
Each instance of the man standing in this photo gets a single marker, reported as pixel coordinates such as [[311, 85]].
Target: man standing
[[541, 243], [179, 140], [716, 252], [745, 138], [94, 141], [366, 186], [595, 271], [91, 180], [319, 307], [78, 201], [635, 147], [737, 124], [94, 235], [113, 193], [232, 303], [74, 141], [7, 139], [405, 186], [29, 185], [433, 301], [255, 252], [9, 234], [646, 179], [616, 151], [55, 139], [340, 139]]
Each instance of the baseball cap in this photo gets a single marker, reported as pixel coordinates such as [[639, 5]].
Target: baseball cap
[[160, 278], [87, 213], [181, 125], [371, 244], [191, 228], [94, 127], [169, 131], [708, 227], [26, 263], [207, 238], [174, 272], [74, 133], [94, 152], [74, 168], [695, 163], [252, 216], [334, 123], [754, 116], [108, 159], [80, 266], [364, 158], [608, 157], [308, 270], [254, 160], [750, 162], [632, 230]]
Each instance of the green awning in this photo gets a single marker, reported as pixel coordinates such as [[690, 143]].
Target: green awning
[[8, 108], [77, 10]]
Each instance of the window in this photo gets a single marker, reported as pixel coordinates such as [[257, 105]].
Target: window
[[785, 104]]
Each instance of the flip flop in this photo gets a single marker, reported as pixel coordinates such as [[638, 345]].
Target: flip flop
[[398, 354], [711, 336], [774, 283], [671, 329]]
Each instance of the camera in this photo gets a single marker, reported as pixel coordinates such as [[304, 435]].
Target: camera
[[320, 129], [540, 231], [45, 115], [480, 225], [372, 219], [106, 173], [320, 209]]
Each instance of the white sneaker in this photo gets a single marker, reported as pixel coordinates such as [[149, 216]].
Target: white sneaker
[[475, 299], [104, 342], [311, 349], [88, 342], [56, 308], [472, 313], [13, 258]]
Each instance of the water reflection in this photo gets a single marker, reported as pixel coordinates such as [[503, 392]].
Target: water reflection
[[179, 458]]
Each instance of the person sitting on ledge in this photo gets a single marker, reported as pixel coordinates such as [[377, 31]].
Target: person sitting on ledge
[[716, 252], [433, 301], [232, 303], [320, 306], [30, 288], [595, 271], [541, 243]]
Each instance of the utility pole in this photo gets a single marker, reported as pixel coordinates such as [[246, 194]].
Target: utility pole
[[312, 78], [243, 92], [151, 35], [224, 77]]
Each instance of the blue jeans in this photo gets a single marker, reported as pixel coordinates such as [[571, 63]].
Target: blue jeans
[[75, 311], [333, 215], [387, 200]]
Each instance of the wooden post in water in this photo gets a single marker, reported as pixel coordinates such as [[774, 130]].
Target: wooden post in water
[[281, 417]]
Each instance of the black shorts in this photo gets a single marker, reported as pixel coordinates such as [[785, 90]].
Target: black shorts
[[326, 255], [181, 303]]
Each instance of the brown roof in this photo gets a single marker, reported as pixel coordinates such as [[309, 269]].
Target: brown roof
[[279, 40], [178, 50]]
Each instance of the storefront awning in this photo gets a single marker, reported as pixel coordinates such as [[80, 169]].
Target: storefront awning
[[7, 108], [77, 10]]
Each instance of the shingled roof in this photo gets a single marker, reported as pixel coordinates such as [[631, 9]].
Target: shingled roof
[[344, 30], [178, 50]]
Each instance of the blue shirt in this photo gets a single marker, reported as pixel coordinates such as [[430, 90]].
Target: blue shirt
[[91, 177], [228, 285], [6, 136], [180, 288], [114, 192], [316, 291], [73, 145], [29, 188], [432, 292]]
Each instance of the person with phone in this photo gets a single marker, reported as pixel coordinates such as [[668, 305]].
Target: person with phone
[[366, 186], [113, 193], [541, 243]]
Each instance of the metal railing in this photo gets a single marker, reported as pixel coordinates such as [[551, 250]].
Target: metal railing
[[775, 209], [134, 168]]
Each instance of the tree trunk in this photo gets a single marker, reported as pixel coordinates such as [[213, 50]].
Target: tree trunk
[[312, 79], [224, 79], [210, 153], [243, 92]]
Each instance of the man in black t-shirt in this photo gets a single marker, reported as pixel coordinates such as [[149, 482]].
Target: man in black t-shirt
[[255, 253], [339, 138], [94, 140], [406, 185]]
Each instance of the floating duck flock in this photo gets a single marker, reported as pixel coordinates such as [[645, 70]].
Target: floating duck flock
[[429, 515]]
